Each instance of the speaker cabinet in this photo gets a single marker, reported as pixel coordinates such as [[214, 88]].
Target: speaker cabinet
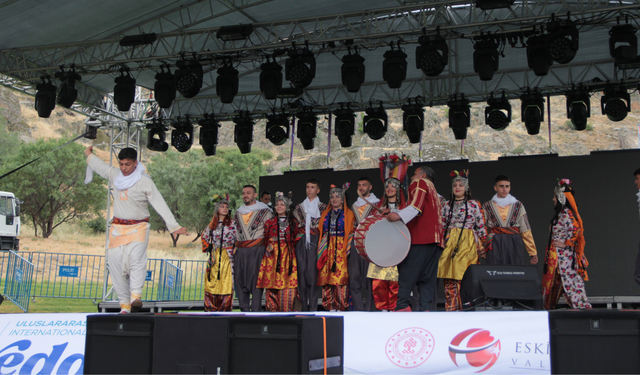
[[119, 344], [595, 342], [497, 286]]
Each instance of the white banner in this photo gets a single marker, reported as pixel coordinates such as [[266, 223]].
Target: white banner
[[42, 343]]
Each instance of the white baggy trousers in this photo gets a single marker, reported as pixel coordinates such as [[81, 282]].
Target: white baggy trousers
[[128, 270]]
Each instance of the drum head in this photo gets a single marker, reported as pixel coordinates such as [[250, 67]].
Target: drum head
[[387, 243]]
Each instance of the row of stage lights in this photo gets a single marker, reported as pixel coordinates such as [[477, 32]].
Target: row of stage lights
[[559, 43], [615, 104]]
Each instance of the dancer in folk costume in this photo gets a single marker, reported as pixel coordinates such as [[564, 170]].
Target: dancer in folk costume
[[465, 232], [250, 249], [279, 269], [337, 225], [393, 170], [219, 240], [565, 265], [359, 283], [307, 214]]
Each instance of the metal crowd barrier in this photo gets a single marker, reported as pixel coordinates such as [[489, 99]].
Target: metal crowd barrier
[[17, 287], [61, 275], [170, 281]]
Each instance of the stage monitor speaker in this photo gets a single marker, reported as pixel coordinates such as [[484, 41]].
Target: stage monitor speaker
[[285, 345], [119, 344], [595, 342], [190, 344], [500, 286]]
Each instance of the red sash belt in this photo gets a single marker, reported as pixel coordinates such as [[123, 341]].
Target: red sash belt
[[128, 222], [504, 230], [250, 243], [314, 231]]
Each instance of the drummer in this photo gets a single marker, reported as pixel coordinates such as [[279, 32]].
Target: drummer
[[359, 283]]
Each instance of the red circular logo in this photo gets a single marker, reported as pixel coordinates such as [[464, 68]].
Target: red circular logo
[[410, 347], [476, 347]]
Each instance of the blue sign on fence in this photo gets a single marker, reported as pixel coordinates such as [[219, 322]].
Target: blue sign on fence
[[68, 271], [18, 275], [170, 281], [149, 276]]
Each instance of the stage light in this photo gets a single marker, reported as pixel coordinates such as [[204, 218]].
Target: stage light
[[485, 58], [432, 55], [277, 129], [413, 121], [270, 79], [243, 133], [307, 128], [300, 67], [498, 114], [353, 72], [375, 122], [623, 43], [124, 92], [234, 32], [90, 132], [164, 90], [563, 40], [459, 116], [394, 68], [532, 111], [578, 108], [182, 134], [156, 136], [615, 103], [227, 84], [209, 134], [188, 77], [345, 126], [45, 98], [494, 4], [538, 57], [67, 92]]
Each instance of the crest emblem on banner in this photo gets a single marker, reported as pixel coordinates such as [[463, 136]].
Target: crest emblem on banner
[[410, 347], [476, 347]]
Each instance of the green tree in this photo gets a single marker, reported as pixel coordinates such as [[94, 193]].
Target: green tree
[[53, 188], [9, 141]]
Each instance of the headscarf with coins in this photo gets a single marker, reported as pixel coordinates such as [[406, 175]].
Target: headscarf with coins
[[462, 176], [286, 199]]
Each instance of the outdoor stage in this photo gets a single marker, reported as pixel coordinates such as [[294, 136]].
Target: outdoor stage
[[599, 341]]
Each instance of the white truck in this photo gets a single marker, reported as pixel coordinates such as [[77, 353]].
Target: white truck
[[9, 221]]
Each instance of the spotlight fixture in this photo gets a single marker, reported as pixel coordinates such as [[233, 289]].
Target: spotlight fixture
[[486, 58], [413, 121], [345, 125], [532, 111], [300, 67], [498, 114], [67, 92], [353, 71], [156, 136], [45, 97], [493, 4], [227, 83], [90, 132], [563, 40], [188, 77], [375, 122], [182, 134], [538, 57], [623, 43], [459, 116], [394, 67], [164, 89], [270, 79], [208, 134], [124, 92], [243, 132], [307, 128], [432, 55], [234, 32], [277, 129], [578, 108], [615, 103]]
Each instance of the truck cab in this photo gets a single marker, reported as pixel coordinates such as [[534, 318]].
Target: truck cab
[[9, 221]]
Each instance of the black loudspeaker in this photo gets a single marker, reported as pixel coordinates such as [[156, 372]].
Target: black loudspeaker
[[285, 345], [595, 342], [498, 287], [190, 344], [119, 344]]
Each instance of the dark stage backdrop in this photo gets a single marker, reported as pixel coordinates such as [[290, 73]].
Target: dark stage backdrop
[[604, 189]]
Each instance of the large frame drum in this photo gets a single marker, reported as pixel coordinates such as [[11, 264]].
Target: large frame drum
[[381, 241]]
